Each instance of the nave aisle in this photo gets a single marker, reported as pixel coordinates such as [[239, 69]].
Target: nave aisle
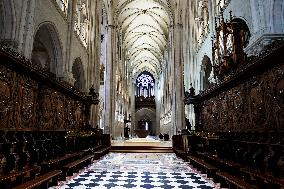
[[139, 170]]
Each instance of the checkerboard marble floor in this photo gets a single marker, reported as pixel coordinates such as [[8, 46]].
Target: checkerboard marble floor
[[138, 170]]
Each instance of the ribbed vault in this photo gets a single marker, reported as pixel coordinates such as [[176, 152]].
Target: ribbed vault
[[144, 27]]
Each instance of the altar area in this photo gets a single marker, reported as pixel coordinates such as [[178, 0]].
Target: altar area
[[141, 145]]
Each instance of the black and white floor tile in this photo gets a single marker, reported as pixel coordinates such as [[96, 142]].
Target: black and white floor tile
[[136, 170]]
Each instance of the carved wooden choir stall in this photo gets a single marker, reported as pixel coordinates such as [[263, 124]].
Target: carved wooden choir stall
[[44, 131], [239, 136]]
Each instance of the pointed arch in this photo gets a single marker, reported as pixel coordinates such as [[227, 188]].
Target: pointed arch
[[7, 23], [149, 115], [47, 48]]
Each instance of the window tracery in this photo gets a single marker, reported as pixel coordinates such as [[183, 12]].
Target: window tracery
[[63, 5], [81, 20], [145, 80], [145, 85], [202, 19]]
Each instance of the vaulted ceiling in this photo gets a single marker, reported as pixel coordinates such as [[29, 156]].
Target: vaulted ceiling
[[144, 27]]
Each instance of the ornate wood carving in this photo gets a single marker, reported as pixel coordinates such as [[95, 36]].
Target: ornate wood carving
[[5, 96], [27, 94], [228, 45], [46, 112], [32, 100], [253, 100]]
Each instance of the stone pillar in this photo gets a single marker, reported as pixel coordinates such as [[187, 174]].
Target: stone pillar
[[67, 73], [255, 17], [211, 16], [26, 33], [158, 109], [177, 79], [168, 78], [132, 109], [94, 46], [109, 106]]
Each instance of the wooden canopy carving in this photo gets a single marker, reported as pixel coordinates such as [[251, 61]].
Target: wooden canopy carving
[[228, 45]]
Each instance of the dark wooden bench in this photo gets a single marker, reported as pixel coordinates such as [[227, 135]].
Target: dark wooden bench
[[234, 182], [43, 182], [75, 166], [209, 169], [58, 163], [16, 178], [224, 165], [264, 180], [180, 153], [100, 152]]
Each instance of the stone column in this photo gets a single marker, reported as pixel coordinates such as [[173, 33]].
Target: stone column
[[255, 11], [94, 47], [211, 16], [158, 107], [67, 73], [109, 106], [132, 109], [168, 79], [177, 79], [26, 33]]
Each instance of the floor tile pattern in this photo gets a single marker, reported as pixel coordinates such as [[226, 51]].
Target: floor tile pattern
[[138, 170]]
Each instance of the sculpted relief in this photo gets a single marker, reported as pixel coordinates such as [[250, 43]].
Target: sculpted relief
[[46, 110], [279, 113], [256, 104], [6, 106], [26, 104], [4, 103], [29, 94], [60, 112]]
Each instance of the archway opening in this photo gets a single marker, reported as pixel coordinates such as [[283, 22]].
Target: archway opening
[[7, 23], [47, 52], [146, 120]]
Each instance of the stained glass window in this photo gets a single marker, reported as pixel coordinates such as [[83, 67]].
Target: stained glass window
[[145, 80], [145, 85]]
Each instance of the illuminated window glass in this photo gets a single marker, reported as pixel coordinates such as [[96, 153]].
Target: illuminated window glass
[[145, 80]]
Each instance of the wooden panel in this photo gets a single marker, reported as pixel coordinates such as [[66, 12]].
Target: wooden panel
[[32, 100], [252, 100]]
